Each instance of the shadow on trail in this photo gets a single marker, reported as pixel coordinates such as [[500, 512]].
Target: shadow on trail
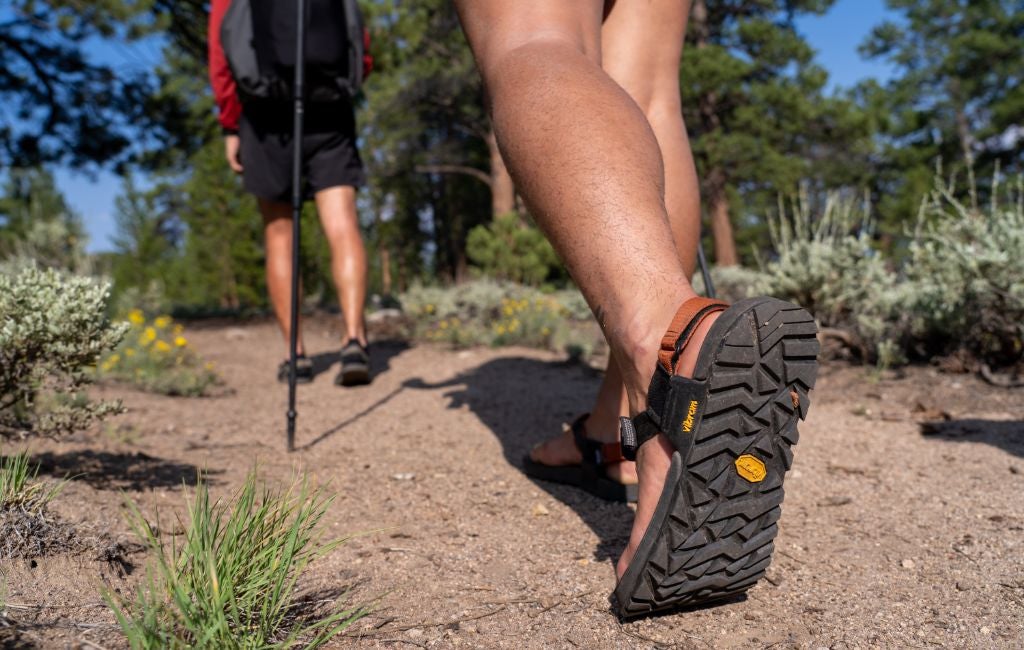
[[381, 354], [351, 419], [120, 471], [523, 401], [1007, 435]]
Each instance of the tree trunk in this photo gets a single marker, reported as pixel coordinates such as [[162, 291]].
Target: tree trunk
[[385, 270], [503, 192], [716, 181], [721, 225]]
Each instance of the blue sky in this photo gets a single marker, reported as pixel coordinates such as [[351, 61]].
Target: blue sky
[[835, 36]]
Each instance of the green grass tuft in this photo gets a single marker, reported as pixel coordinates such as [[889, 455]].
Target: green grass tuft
[[231, 582], [18, 487]]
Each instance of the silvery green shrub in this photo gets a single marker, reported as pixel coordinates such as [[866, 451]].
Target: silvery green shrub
[[826, 264], [966, 275], [53, 329]]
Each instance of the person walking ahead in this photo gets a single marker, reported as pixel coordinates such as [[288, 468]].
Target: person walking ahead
[[258, 145]]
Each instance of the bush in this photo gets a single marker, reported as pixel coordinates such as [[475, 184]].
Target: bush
[[485, 312], [509, 250], [53, 327], [828, 266], [966, 276], [156, 357], [231, 583]]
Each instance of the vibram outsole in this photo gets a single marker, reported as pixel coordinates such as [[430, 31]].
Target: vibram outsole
[[713, 531]]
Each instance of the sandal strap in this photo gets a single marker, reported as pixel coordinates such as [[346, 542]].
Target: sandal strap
[[646, 425], [686, 321], [595, 452]]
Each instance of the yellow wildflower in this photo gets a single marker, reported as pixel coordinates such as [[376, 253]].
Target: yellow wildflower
[[136, 317], [443, 324], [208, 365], [178, 330], [514, 325], [429, 309], [161, 346], [500, 329], [129, 352], [148, 336], [180, 341], [508, 310], [162, 322], [545, 331]]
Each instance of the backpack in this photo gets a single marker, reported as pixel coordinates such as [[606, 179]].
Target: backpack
[[258, 38]]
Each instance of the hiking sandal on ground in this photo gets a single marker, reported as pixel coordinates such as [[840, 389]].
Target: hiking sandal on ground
[[303, 370], [355, 365], [732, 427], [591, 474]]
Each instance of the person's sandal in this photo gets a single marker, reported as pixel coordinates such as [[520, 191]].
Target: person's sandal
[[732, 426], [591, 474], [303, 370], [355, 365]]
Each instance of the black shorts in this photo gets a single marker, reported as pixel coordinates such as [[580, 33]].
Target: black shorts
[[329, 154]]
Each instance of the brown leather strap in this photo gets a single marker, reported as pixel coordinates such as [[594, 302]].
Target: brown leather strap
[[686, 320]]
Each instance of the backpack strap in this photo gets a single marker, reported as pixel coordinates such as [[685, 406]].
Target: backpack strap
[[670, 397]]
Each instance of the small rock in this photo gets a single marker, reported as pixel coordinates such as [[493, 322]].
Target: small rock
[[583, 561], [1014, 469], [540, 511], [962, 586], [985, 630], [907, 564], [403, 476]]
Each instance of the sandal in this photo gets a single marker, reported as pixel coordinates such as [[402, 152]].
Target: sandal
[[355, 365], [589, 475], [303, 370], [732, 426]]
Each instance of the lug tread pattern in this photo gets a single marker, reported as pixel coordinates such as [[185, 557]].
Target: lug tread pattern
[[718, 537]]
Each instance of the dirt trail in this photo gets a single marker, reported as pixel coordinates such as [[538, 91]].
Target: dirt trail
[[889, 538]]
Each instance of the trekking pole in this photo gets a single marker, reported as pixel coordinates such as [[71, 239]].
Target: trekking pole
[[709, 288], [293, 338]]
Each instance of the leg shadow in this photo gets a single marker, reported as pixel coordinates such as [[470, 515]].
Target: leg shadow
[[381, 354], [109, 471], [1007, 435], [523, 401]]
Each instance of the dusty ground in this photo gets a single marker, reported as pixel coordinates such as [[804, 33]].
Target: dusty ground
[[889, 538]]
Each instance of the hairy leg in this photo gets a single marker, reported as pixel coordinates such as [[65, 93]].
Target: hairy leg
[[277, 235], [337, 209], [641, 45], [588, 164]]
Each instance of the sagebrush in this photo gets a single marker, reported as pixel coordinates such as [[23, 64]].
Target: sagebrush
[[53, 330]]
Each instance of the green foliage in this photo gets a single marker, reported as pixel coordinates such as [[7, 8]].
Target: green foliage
[[485, 312], [826, 264], [53, 327], [36, 225], [231, 582], [510, 250], [956, 96], [19, 488], [966, 275], [156, 357]]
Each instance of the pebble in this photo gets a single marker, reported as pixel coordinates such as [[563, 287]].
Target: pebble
[[403, 476], [540, 511], [907, 564]]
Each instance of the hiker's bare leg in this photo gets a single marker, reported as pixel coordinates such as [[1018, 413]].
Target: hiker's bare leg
[[641, 44], [277, 236], [337, 209], [584, 157]]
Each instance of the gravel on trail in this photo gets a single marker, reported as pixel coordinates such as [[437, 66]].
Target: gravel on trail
[[903, 524]]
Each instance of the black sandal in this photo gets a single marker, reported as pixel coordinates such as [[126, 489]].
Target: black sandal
[[355, 365], [591, 474], [303, 370], [732, 426]]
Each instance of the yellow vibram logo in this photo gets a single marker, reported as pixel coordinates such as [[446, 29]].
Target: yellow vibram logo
[[690, 413], [751, 468]]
